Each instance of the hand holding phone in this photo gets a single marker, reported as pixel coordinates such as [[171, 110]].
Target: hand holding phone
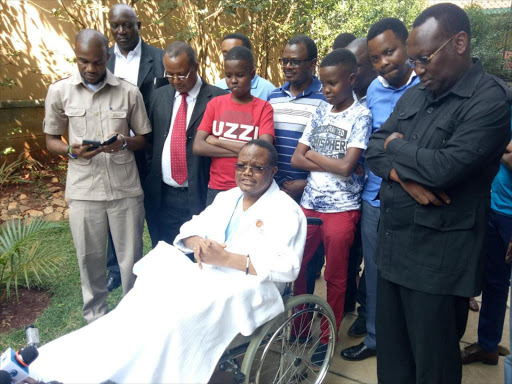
[[97, 144]]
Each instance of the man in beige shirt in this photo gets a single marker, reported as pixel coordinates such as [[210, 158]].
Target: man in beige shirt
[[103, 187]]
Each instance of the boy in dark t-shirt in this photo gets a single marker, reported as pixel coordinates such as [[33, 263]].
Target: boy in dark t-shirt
[[232, 120]]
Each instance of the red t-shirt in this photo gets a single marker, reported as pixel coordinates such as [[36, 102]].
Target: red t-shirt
[[228, 120]]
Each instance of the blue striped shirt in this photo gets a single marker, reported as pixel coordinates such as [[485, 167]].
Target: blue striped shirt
[[291, 114]]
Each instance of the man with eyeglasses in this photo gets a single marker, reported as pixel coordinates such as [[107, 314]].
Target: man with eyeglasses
[[437, 155], [294, 103], [388, 53], [139, 63], [177, 182]]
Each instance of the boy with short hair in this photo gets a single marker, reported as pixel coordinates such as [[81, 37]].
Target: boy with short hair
[[260, 87], [230, 121], [330, 149]]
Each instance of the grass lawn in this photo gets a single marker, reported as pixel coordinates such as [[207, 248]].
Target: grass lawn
[[65, 311]]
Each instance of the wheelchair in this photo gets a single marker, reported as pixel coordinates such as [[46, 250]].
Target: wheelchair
[[281, 351]]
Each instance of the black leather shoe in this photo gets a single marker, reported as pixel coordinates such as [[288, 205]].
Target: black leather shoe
[[113, 281], [358, 352], [358, 327]]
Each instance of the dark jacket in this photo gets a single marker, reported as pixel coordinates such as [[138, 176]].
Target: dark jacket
[[453, 144], [198, 167]]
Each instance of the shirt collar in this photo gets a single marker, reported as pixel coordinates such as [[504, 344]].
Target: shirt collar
[[109, 79], [194, 92], [314, 87], [467, 83], [385, 83], [136, 52], [254, 82]]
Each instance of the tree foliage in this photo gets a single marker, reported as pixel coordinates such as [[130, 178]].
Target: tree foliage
[[491, 39]]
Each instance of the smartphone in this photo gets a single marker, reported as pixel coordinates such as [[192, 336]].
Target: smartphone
[[95, 145], [110, 140]]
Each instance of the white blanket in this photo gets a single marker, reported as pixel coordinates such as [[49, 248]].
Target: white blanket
[[172, 327]]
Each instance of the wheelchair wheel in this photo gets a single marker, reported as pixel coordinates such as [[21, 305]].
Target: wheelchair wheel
[[281, 351]]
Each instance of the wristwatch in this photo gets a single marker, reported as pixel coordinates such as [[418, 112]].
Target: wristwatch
[[71, 155], [125, 144]]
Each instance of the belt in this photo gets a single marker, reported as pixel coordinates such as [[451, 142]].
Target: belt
[[179, 189]]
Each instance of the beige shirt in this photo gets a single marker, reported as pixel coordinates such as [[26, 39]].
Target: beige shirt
[[116, 107]]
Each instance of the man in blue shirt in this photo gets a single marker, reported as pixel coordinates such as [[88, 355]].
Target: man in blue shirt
[[294, 103], [260, 87], [497, 274], [388, 53]]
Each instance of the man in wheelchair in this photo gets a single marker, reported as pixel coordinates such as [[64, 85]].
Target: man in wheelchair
[[179, 318]]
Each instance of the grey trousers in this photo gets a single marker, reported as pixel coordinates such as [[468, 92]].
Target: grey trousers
[[90, 222]]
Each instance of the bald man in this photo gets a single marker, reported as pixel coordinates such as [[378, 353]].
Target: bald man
[[139, 63], [102, 186]]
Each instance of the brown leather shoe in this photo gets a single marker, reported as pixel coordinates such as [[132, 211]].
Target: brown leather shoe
[[473, 304], [474, 353]]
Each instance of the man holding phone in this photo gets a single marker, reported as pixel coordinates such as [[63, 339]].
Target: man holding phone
[[103, 188]]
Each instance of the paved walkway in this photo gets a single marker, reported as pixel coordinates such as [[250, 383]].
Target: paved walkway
[[365, 372]]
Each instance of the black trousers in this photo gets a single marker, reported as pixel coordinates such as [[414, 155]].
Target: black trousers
[[164, 223], [418, 335]]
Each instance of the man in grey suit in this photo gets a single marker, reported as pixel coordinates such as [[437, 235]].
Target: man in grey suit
[[139, 63], [175, 188]]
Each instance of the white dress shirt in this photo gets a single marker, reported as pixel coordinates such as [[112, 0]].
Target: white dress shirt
[[128, 67], [166, 154]]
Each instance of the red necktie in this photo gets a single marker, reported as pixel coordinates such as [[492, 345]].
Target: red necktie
[[179, 143]]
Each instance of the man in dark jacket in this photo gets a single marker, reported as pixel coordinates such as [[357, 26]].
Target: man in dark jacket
[[139, 63], [176, 186], [437, 155]]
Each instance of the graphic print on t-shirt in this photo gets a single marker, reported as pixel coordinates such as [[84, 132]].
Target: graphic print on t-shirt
[[329, 140], [235, 126]]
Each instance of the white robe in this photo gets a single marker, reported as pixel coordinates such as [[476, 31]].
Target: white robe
[[176, 322]]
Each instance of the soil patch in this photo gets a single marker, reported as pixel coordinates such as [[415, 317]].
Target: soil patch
[[25, 310]]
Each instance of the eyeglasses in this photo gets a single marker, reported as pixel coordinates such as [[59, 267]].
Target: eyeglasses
[[424, 60], [254, 169], [294, 62], [175, 77]]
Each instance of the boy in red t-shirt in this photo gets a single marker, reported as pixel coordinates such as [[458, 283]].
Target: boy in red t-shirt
[[230, 121]]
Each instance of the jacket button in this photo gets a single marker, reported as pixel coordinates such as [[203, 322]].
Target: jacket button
[[415, 136], [388, 232], [401, 114], [390, 186], [388, 210], [430, 110]]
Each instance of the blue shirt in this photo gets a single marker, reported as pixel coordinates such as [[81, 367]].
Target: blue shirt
[[260, 87], [291, 114], [381, 99], [501, 191]]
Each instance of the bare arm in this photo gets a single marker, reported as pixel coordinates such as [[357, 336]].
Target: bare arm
[[300, 161], [202, 148], [210, 252], [506, 159], [234, 146], [55, 144], [344, 167]]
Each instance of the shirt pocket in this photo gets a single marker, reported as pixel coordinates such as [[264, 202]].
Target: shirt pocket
[[443, 132], [77, 121], [404, 120], [118, 122], [123, 170], [440, 235], [80, 173]]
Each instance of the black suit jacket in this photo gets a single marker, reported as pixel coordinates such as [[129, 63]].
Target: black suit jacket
[[198, 167], [151, 67]]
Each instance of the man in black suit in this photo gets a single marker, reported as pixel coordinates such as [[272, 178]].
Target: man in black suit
[[175, 188], [139, 63]]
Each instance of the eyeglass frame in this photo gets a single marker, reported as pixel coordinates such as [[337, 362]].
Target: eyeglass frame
[[425, 60], [256, 169], [177, 77], [290, 61]]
